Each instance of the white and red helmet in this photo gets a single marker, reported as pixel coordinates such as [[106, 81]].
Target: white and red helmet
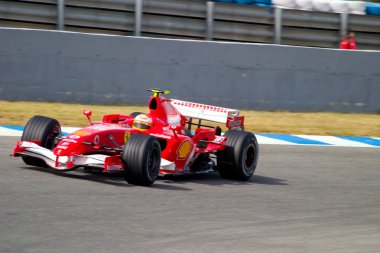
[[142, 122]]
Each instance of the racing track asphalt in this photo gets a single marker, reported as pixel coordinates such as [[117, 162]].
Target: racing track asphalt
[[302, 199]]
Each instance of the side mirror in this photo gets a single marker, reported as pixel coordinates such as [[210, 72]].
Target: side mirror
[[175, 129], [88, 114]]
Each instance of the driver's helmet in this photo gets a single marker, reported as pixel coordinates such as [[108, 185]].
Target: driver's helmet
[[142, 122]]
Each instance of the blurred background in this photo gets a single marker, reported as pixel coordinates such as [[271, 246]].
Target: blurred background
[[313, 23]]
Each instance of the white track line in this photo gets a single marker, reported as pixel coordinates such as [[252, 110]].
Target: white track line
[[9, 132], [335, 141], [69, 129], [332, 140], [266, 140]]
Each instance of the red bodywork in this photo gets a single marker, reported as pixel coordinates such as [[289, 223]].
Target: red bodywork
[[100, 144]]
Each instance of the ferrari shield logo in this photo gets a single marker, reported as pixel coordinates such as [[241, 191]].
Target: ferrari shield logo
[[126, 136]]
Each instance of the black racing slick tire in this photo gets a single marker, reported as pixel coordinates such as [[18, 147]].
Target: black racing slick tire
[[142, 159], [41, 129], [239, 158]]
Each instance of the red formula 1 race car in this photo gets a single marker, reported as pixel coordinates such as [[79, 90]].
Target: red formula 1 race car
[[143, 146]]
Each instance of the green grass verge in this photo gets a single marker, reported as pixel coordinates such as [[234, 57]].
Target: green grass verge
[[321, 123]]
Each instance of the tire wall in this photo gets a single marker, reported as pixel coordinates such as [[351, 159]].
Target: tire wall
[[56, 66]]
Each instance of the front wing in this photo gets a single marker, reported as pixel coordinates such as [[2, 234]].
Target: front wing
[[65, 163]]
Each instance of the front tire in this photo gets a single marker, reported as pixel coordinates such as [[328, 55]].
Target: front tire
[[41, 129], [239, 158], [142, 159]]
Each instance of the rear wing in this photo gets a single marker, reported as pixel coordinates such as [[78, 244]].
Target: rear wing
[[230, 117]]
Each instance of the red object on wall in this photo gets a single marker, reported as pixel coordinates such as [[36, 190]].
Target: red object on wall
[[344, 44], [348, 42]]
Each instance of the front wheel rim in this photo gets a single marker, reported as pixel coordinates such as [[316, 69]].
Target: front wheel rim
[[153, 164], [50, 139]]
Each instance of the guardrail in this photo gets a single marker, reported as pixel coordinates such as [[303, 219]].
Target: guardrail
[[196, 19]]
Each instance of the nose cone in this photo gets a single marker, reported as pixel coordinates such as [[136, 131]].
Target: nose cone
[[66, 147], [72, 143]]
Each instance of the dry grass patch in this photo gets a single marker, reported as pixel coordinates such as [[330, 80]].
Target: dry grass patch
[[323, 123]]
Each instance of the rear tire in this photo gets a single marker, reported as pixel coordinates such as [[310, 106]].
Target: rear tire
[[142, 159], [43, 130], [239, 158]]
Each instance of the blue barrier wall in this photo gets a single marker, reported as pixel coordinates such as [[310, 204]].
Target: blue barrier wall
[[86, 68]]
